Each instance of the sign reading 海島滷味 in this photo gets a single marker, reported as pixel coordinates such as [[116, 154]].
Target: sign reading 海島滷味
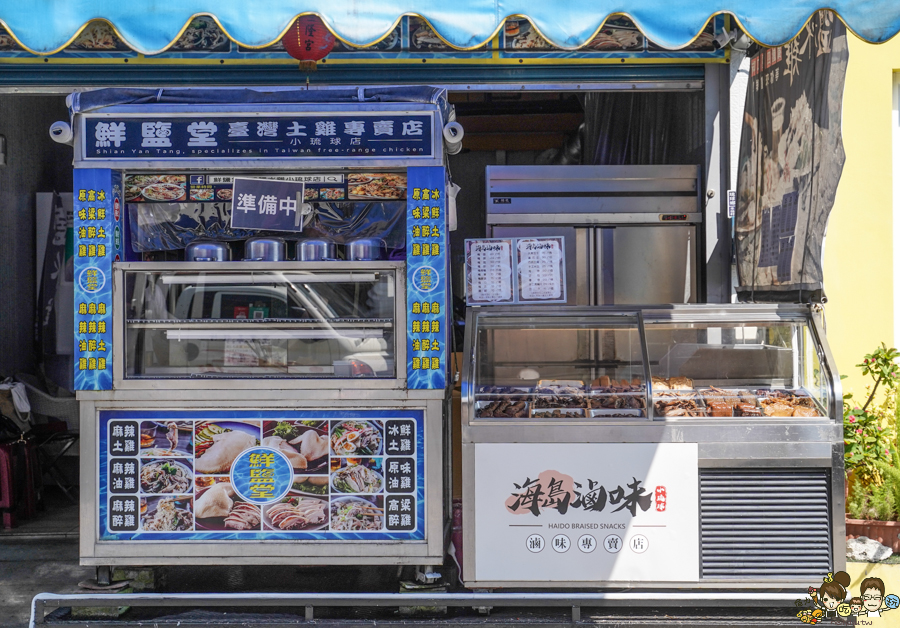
[[353, 134], [587, 512]]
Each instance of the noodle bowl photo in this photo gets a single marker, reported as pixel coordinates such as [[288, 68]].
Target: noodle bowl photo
[[166, 476]]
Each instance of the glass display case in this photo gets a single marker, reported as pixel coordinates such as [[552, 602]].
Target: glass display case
[[235, 319], [737, 369], [713, 418], [561, 367], [596, 364]]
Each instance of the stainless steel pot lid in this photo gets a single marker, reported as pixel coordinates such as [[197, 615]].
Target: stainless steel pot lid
[[264, 249], [207, 251], [316, 250], [366, 249]]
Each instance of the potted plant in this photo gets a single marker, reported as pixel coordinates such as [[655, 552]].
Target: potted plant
[[872, 459]]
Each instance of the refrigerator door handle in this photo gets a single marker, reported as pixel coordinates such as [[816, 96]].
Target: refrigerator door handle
[[604, 243], [687, 271]]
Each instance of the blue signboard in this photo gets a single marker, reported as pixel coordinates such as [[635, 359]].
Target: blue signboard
[[426, 278], [265, 204], [239, 475], [271, 135], [98, 243]]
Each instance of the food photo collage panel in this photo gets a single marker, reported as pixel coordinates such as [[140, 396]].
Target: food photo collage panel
[[348, 475]]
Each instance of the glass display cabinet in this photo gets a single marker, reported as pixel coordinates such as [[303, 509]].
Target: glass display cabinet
[[697, 446], [207, 320], [587, 366]]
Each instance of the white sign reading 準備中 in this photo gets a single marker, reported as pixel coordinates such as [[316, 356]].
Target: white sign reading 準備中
[[489, 271], [586, 512]]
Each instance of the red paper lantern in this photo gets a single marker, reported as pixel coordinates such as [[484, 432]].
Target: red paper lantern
[[308, 41]]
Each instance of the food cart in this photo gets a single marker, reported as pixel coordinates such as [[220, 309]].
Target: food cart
[[283, 408], [697, 446]]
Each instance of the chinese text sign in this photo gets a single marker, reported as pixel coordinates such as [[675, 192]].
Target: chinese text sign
[[265, 204], [426, 278], [98, 242], [357, 134], [586, 512]]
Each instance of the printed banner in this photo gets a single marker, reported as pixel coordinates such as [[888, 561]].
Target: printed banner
[[586, 512], [175, 187], [411, 41], [791, 157], [98, 242], [262, 475], [272, 135], [426, 278]]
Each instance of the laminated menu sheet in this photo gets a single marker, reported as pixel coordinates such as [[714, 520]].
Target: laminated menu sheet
[[515, 270]]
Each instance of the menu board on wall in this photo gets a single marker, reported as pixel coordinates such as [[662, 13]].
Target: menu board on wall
[[98, 242], [489, 271], [515, 270], [262, 475]]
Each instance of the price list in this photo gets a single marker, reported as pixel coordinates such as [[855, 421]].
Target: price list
[[540, 269], [489, 272], [515, 271]]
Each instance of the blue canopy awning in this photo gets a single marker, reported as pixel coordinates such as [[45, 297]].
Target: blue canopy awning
[[151, 26]]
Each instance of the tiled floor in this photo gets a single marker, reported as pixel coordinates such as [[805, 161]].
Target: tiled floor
[[41, 554], [59, 519]]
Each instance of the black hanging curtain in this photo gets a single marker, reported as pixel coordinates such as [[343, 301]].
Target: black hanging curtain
[[790, 162], [643, 128]]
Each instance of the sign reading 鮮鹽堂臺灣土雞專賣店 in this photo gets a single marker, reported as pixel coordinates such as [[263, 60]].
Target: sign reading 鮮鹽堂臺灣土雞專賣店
[[207, 136], [791, 157]]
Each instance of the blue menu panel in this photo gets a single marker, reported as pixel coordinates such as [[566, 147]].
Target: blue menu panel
[[242, 475], [426, 278], [98, 243]]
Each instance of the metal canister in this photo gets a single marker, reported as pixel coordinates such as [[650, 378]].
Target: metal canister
[[366, 249], [264, 249], [207, 251], [316, 250]]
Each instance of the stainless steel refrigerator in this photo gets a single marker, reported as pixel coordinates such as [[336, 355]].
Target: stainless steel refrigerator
[[632, 233]]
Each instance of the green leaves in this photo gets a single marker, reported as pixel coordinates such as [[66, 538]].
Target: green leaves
[[870, 434]]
